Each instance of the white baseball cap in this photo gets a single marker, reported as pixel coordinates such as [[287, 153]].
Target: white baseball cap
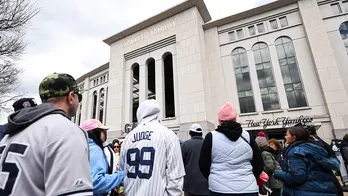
[[196, 128]]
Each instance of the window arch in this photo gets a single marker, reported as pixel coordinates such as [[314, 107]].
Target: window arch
[[94, 108], [241, 71], [268, 89], [101, 105], [344, 34], [135, 91], [151, 79], [169, 85], [291, 75]]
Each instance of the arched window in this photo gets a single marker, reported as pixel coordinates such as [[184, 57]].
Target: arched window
[[169, 85], [94, 108], [135, 102], [151, 79], [291, 75], [268, 89], [241, 71], [101, 105], [344, 34]]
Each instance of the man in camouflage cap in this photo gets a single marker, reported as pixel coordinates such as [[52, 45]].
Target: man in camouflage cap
[[50, 152], [56, 86]]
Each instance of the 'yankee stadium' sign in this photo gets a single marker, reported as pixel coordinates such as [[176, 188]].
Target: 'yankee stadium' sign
[[284, 121]]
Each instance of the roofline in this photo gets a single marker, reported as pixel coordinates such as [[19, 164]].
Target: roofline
[[93, 72], [202, 8], [249, 13]]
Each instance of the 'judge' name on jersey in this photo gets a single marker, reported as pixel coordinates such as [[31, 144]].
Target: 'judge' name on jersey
[[144, 135]]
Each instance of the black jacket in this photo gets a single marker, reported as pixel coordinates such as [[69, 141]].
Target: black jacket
[[194, 181], [233, 131], [344, 151]]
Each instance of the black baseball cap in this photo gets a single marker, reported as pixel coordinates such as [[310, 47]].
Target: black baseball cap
[[24, 103]]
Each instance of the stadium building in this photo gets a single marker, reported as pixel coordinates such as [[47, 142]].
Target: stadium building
[[279, 64]]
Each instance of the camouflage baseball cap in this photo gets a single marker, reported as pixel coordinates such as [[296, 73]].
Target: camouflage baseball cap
[[57, 85]]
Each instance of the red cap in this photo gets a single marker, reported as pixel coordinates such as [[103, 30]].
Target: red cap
[[261, 134]]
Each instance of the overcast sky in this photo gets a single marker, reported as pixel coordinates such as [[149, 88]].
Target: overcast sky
[[66, 36]]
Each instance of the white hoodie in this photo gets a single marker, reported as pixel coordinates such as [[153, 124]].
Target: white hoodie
[[151, 156], [110, 156]]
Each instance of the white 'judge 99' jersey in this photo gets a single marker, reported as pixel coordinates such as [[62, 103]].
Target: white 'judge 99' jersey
[[151, 157]]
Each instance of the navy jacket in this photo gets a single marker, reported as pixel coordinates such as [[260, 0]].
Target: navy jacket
[[308, 171], [194, 182], [2, 130]]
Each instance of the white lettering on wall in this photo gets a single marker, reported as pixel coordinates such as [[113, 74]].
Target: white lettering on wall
[[148, 33]]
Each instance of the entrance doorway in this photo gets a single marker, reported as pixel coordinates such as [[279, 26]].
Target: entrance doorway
[[277, 134]]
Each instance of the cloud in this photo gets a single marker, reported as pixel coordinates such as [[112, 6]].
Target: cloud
[[263, 2], [66, 35]]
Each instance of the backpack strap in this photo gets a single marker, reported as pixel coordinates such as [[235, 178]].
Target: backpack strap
[[244, 139]]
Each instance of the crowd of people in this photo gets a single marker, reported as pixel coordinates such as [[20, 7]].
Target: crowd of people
[[43, 153]]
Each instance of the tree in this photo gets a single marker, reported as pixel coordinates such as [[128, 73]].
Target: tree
[[14, 18]]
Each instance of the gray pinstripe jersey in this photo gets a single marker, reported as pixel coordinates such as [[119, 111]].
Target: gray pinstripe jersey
[[49, 157], [151, 157]]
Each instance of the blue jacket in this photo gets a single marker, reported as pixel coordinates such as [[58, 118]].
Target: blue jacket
[[307, 170], [102, 181]]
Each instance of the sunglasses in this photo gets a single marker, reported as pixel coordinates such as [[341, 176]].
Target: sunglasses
[[116, 146], [78, 95]]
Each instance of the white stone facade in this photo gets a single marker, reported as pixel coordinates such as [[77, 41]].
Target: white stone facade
[[204, 73]]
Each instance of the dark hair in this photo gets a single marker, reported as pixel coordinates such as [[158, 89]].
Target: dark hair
[[110, 145], [95, 136], [195, 134], [345, 138], [301, 133], [115, 141], [276, 143], [310, 128]]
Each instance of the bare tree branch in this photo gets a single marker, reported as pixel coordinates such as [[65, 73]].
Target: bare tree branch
[[14, 18]]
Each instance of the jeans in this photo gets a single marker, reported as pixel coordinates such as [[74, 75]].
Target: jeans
[[236, 194], [191, 194]]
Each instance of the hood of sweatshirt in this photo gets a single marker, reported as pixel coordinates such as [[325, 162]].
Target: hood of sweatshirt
[[148, 111], [23, 118], [314, 152], [231, 129]]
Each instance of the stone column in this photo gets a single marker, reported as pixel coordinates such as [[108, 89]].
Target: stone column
[[278, 78], [98, 104], [176, 90], [160, 85], [143, 77], [128, 104], [85, 100], [254, 82], [105, 104]]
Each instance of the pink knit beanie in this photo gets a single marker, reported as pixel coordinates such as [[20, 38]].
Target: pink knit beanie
[[227, 113]]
